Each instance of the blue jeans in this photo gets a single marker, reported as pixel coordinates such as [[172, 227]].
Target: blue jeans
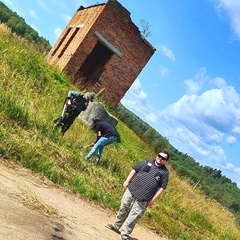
[[99, 145]]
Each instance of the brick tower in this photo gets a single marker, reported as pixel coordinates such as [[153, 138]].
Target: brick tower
[[102, 48]]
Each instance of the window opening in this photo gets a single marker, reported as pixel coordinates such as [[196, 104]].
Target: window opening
[[68, 42], [61, 41]]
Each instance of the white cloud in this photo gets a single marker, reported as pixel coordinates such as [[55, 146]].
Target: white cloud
[[199, 80], [7, 2], [232, 8], [193, 86], [231, 139], [212, 114], [66, 18], [220, 82], [151, 117], [44, 5], [57, 32], [233, 171], [167, 52], [33, 14], [135, 100], [236, 129], [164, 71], [203, 120], [35, 28], [137, 90]]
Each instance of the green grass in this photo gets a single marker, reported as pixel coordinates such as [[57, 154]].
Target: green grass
[[31, 96]]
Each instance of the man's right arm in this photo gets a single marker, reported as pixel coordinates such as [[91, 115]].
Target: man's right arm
[[129, 178]]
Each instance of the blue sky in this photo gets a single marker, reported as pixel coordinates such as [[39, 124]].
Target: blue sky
[[189, 90]]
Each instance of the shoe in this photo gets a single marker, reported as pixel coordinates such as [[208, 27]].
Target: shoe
[[125, 238], [86, 158], [58, 125], [111, 227], [96, 163], [56, 120]]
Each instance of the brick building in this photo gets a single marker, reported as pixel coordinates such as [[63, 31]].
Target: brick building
[[102, 48]]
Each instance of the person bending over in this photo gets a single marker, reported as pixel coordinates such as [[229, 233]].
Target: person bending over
[[106, 134], [74, 104]]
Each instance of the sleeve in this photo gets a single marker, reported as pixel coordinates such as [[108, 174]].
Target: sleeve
[[98, 137], [73, 94], [137, 167]]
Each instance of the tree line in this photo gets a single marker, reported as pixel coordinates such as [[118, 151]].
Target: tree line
[[19, 27]]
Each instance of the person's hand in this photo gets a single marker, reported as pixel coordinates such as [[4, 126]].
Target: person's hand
[[149, 203], [92, 144]]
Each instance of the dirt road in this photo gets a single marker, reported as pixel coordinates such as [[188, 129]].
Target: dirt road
[[34, 208]]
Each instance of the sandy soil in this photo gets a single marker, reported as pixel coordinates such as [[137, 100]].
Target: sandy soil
[[33, 207]]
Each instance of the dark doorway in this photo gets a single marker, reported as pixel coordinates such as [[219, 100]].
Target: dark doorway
[[93, 66]]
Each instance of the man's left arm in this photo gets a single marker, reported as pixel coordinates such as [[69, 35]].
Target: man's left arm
[[157, 194], [99, 134]]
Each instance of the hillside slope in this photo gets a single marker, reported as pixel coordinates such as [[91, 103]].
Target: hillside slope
[[31, 95], [33, 207]]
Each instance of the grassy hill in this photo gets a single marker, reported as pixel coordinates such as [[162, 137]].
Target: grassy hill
[[31, 96]]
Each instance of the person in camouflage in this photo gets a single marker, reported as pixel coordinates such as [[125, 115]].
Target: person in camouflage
[[145, 183], [75, 102]]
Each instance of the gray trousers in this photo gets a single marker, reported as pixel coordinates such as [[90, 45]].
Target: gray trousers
[[130, 211]]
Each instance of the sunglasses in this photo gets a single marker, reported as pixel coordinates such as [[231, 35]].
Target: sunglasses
[[163, 158]]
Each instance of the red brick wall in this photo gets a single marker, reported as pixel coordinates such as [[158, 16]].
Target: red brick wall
[[113, 22]]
